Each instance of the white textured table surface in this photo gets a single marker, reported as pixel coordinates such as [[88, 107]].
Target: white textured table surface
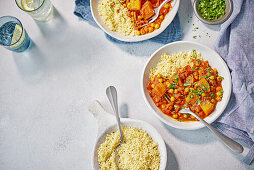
[[44, 93]]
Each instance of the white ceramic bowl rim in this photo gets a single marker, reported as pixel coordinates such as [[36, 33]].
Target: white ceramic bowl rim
[[226, 83], [107, 124], [168, 19]]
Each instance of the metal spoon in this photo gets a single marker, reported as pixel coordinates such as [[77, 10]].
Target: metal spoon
[[230, 143], [112, 97], [157, 11]]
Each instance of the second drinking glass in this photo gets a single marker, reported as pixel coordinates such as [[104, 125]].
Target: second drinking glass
[[40, 10]]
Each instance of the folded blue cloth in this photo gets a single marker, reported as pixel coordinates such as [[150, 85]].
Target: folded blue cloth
[[236, 45], [170, 34]]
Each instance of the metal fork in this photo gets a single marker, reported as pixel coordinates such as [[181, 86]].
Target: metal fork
[[230, 143], [157, 11]]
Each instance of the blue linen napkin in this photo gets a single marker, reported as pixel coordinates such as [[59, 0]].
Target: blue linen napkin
[[170, 34], [236, 45]]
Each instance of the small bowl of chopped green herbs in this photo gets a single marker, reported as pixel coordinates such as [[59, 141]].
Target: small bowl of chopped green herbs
[[213, 11]]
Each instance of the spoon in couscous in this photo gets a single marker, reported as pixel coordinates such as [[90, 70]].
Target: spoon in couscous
[[112, 97]]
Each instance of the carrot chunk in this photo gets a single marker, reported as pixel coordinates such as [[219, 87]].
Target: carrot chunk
[[135, 5], [159, 89], [147, 10], [207, 107]]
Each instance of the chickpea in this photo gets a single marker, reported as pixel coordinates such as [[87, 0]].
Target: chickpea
[[160, 80], [172, 99], [146, 29], [185, 116], [192, 117], [218, 93], [152, 24], [161, 17], [162, 106], [166, 6], [218, 98], [170, 90], [213, 101], [150, 29], [137, 32], [139, 17], [219, 78], [129, 5], [211, 77], [187, 90], [218, 88], [157, 100], [124, 5], [157, 26], [203, 94], [175, 116], [152, 85], [176, 91], [142, 31], [158, 75]]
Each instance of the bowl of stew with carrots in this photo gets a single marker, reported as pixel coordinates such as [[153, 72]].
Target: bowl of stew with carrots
[[186, 75], [124, 19]]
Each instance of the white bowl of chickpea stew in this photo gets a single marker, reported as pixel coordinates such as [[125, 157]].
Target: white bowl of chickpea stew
[[107, 14], [203, 85]]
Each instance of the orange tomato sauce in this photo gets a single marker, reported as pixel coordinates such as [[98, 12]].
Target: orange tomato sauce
[[196, 87], [141, 11]]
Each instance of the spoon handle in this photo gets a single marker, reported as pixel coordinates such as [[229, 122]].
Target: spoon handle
[[112, 97], [230, 143]]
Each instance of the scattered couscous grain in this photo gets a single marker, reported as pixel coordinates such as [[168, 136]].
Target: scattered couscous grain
[[138, 151], [114, 15], [167, 65]]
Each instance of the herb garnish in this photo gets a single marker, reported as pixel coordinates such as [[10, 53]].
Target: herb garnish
[[212, 95], [173, 85], [198, 101]]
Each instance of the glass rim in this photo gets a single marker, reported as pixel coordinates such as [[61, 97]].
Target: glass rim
[[14, 29], [28, 10]]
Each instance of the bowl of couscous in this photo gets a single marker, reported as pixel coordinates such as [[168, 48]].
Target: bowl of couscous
[[142, 143], [120, 21], [172, 80]]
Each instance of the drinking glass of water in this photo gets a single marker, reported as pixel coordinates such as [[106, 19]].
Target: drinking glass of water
[[40, 10], [12, 34]]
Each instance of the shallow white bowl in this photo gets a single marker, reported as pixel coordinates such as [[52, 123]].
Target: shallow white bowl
[[168, 19], [214, 60], [107, 124]]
